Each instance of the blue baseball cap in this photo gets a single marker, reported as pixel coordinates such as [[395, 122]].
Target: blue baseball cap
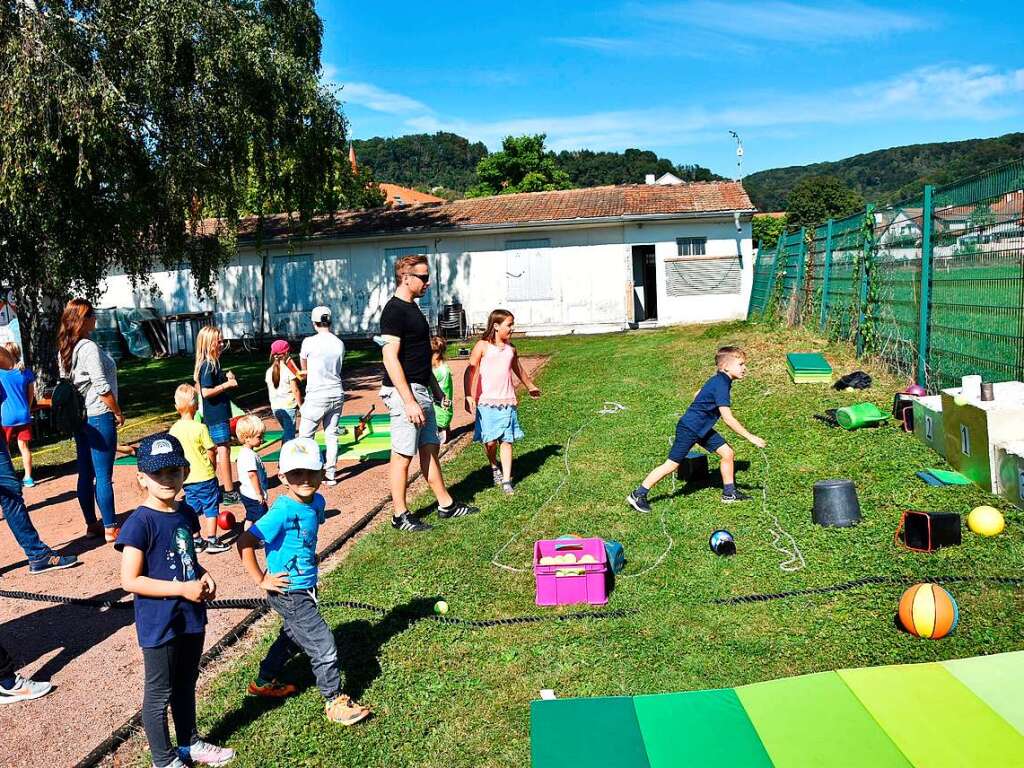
[[160, 451]]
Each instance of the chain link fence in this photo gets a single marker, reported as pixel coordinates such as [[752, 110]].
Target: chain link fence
[[932, 285]]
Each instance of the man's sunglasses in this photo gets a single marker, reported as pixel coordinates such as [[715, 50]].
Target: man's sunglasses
[[425, 278]]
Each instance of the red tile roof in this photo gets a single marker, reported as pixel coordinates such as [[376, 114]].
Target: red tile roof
[[595, 203], [408, 196]]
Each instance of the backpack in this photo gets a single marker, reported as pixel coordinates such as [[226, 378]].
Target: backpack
[[67, 406]]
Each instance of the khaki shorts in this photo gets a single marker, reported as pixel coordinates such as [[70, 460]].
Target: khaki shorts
[[406, 437]]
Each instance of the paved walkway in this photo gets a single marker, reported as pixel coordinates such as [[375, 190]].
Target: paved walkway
[[92, 656]]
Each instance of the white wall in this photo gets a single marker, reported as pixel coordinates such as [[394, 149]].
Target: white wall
[[580, 281]]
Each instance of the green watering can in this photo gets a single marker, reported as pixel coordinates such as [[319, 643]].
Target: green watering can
[[859, 415]]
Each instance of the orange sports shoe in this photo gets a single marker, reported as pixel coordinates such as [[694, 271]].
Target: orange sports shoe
[[341, 709], [272, 690]]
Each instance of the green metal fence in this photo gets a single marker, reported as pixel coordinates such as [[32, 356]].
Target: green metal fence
[[933, 285]]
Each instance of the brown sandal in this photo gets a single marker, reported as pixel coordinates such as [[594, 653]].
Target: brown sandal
[[342, 710]]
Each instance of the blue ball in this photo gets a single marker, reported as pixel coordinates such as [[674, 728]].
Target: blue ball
[[722, 543]]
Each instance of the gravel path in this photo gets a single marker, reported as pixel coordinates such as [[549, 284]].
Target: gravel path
[[91, 655]]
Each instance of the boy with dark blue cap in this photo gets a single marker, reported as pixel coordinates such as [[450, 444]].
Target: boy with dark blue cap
[[697, 427], [160, 567]]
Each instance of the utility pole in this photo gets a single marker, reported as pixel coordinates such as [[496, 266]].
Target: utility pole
[[739, 155]]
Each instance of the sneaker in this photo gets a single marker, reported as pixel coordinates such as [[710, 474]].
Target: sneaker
[[52, 563], [216, 546], [497, 477], [175, 763], [204, 753], [331, 481], [731, 498], [110, 534], [409, 524], [28, 482], [272, 690], [639, 503], [457, 509], [199, 544], [507, 489], [342, 710], [230, 497], [24, 690]]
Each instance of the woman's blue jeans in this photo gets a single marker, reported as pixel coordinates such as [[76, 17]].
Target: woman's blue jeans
[[95, 447], [287, 421]]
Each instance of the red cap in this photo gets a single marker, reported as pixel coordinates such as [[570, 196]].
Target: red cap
[[280, 347]]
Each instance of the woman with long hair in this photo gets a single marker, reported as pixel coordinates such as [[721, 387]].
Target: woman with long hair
[[94, 374], [213, 385]]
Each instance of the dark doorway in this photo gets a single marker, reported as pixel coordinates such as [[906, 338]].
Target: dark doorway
[[645, 283]]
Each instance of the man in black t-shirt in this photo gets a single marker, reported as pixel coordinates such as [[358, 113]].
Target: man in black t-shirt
[[409, 392]]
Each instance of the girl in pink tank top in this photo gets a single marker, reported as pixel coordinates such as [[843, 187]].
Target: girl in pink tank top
[[491, 365]]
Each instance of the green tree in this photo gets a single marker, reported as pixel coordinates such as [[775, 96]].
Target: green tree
[[816, 199], [522, 165], [766, 230], [127, 123], [423, 160]]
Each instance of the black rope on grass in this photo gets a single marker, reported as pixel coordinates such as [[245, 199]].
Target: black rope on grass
[[1002, 581]]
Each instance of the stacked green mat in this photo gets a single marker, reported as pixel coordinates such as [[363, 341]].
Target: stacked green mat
[[808, 368], [966, 712]]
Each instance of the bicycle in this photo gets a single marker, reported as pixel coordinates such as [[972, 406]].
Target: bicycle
[[245, 343]]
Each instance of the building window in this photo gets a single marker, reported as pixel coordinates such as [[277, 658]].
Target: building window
[[697, 277], [293, 283], [528, 270], [691, 246]]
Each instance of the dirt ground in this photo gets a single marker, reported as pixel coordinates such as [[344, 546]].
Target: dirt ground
[[91, 655]]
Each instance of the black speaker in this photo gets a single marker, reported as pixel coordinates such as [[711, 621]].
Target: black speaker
[[903, 410], [927, 531]]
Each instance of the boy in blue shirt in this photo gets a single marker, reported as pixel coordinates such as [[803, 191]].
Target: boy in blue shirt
[[288, 532], [160, 567], [697, 427]]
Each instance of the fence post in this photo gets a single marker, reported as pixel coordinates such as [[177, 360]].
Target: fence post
[[926, 285], [774, 274], [802, 258], [869, 218], [825, 277]]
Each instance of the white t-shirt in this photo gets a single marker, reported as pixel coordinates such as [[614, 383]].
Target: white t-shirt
[[249, 461], [281, 397], [323, 353]]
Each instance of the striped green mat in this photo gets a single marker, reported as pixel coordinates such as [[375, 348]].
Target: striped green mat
[[967, 712]]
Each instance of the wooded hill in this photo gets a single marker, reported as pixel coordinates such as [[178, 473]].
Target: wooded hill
[[888, 175], [447, 162]]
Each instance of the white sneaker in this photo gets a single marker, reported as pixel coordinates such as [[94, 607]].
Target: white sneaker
[[175, 763], [24, 690], [204, 753]]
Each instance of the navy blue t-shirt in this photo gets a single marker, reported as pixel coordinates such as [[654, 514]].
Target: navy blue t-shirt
[[165, 539], [216, 409], [703, 412]]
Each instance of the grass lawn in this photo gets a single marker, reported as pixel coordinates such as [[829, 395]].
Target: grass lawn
[[447, 696], [146, 392]]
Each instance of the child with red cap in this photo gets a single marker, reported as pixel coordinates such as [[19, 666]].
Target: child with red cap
[[283, 387]]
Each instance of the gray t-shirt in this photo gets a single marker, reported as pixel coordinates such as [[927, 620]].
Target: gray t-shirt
[[93, 373], [323, 353]]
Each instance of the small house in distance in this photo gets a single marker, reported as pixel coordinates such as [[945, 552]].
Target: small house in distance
[[578, 260]]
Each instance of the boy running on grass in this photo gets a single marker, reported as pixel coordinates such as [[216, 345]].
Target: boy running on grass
[[288, 532], [697, 427]]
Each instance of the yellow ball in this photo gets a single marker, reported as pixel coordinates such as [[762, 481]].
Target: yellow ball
[[440, 607], [960, 400], [986, 521]]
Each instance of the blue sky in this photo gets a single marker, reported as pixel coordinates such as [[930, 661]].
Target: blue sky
[[800, 82]]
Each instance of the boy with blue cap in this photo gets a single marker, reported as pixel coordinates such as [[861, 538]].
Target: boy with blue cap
[[159, 565]]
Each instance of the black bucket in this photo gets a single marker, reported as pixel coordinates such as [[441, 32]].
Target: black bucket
[[835, 504]]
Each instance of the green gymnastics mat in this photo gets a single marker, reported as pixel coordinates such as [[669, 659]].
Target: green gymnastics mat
[[375, 446], [808, 362], [966, 712]]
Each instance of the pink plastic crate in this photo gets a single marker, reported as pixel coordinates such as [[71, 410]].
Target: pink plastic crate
[[588, 587]]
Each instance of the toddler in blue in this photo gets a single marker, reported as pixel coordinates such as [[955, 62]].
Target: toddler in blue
[[288, 532]]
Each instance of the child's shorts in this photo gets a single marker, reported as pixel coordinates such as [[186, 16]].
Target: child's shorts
[[494, 422], [685, 440], [220, 433], [204, 497], [254, 509], [19, 432]]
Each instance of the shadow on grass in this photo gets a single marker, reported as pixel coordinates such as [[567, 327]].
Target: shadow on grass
[[711, 480], [359, 647], [481, 479]]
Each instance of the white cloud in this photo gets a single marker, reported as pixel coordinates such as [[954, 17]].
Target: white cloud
[[379, 100], [927, 94], [782, 21]]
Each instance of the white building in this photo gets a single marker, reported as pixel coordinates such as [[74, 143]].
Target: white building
[[582, 260]]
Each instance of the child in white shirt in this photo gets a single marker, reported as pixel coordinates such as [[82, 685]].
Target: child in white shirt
[[252, 477]]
